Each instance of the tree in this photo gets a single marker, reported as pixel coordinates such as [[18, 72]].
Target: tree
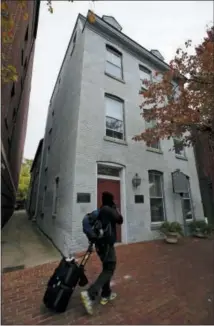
[[24, 179], [181, 101]]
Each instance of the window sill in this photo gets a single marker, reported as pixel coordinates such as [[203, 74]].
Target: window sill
[[115, 140], [156, 225], [189, 221], [154, 150], [181, 157], [113, 77]]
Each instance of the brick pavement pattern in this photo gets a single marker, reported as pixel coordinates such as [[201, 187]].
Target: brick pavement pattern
[[157, 283]]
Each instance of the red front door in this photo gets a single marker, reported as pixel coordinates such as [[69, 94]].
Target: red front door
[[112, 186]]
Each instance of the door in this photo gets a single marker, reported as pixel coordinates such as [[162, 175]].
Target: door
[[112, 186]]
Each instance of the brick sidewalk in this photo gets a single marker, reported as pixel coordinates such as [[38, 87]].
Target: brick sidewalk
[[156, 284]]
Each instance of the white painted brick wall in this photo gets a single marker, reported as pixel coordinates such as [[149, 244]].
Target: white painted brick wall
[[78, 133]]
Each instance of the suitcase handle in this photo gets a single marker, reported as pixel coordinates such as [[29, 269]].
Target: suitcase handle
[[87, 254]]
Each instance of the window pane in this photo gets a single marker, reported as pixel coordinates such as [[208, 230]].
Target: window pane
[[114, 124], [154, 145], [113, 70], [144, 76], [114, 58], [114, 108], [114, 134], [187, 209], [150, 124], [108, 170], [155, 185], [157, 213]]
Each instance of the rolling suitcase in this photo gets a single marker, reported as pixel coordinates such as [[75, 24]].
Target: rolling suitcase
[[64, 280]]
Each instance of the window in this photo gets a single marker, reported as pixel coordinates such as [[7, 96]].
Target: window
[[43, 199], [179, 148], [47, 157], [75, 38], [25, 65], [145, 75], [155, 145], [26, 35], [108, 170], [55, 196], [12, 90], [187, 204], [14, 115], [114, 62], [74, 43], [22, 58], [114, 117], [156, 196]]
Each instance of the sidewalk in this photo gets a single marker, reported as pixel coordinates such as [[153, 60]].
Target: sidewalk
[[156, 283], [23, 245]]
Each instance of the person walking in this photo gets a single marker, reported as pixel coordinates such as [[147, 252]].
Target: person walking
[[109, 216]]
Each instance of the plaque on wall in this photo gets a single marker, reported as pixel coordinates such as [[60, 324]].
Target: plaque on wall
[[139, 199], [83, 197], [179, 182]]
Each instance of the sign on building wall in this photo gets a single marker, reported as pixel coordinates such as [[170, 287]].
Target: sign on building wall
[[179, 182]]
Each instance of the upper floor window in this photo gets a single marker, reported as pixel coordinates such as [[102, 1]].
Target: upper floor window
[[155, 145], [156, 196], [26, 34], [114, 117], [145, 75], [55, 197], [179, 147], [114, 62]]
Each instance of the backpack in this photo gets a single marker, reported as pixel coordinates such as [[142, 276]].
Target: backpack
[[92, 227]]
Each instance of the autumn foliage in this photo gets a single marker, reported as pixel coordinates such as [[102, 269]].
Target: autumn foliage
[[181, 100]]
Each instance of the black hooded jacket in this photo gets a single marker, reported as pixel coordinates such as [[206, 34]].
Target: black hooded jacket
[[109, 214]]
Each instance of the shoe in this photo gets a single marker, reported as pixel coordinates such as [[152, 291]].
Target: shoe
[[112, 296], [87, 302]]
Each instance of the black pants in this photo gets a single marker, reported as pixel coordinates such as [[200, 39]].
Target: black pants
[[108, 258]]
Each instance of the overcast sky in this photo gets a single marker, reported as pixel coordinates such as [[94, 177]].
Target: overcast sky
[[162, 25]]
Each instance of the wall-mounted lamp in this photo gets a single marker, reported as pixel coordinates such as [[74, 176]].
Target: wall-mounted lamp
[[136, 181]]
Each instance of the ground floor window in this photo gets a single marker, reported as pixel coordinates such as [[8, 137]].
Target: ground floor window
[[156, 196], [187, 204]]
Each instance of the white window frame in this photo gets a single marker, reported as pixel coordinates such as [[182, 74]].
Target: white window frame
[[148, 72], [183, 154], [116, 99], [117, 54], [188, 196], [152, 146], [160, 174]]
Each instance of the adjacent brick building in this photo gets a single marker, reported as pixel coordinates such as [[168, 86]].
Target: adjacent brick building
[[15, 99], [88, 147]]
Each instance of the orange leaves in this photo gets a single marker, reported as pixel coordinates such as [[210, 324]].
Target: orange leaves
[[188, 106], [91, 17]]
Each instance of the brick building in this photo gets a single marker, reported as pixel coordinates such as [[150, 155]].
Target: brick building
[[34, 182], [15, 99], [88, 147]]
